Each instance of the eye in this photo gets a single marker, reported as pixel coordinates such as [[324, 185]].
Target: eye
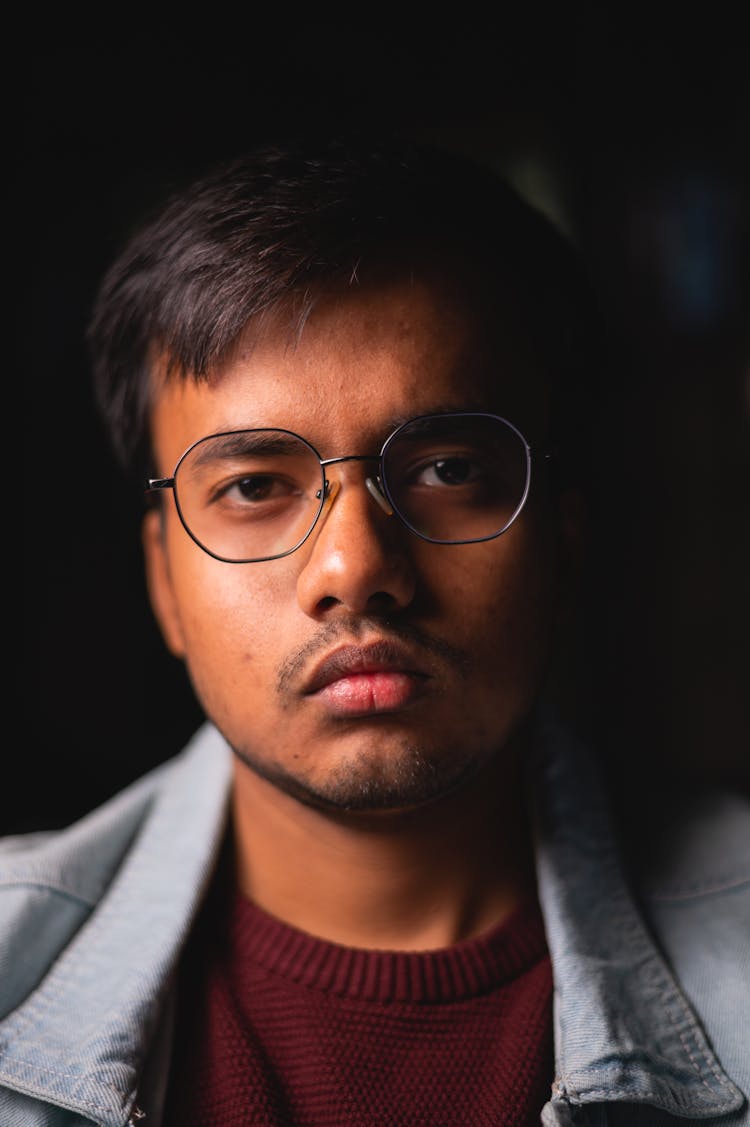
[[449, 471], [259, 487], [252, 490]]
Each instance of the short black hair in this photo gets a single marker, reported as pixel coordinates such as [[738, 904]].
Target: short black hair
[[284, 224]]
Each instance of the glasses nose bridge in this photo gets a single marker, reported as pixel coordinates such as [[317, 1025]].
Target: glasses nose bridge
[[350, 458], [372, 484]]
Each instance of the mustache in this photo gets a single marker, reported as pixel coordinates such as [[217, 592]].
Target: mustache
[[346, 631]]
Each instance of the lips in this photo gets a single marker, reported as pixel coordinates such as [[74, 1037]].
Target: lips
[[380, 677]]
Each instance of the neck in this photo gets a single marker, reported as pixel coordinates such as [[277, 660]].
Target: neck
[[410, 880]]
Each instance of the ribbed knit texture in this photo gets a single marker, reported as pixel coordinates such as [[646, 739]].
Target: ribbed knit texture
[[277, 1027]]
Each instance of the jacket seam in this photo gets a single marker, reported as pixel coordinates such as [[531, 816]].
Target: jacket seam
[[686, 1036], [625, 1095], [695, 891], [58, 890], [82, 1101], [36, 1005]]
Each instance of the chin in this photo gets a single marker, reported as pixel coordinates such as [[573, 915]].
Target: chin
[[404, 780]]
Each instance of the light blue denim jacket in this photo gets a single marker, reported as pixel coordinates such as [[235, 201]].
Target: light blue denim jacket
[[651, 1018]]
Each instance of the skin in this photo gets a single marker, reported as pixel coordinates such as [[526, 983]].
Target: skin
[[403, 826]]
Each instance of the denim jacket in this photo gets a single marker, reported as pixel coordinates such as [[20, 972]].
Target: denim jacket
[[651, 989]]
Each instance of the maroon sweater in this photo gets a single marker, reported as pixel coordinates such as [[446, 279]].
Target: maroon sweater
[[277, 1027]]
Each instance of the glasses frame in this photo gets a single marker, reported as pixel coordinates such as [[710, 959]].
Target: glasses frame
[[379, 488]]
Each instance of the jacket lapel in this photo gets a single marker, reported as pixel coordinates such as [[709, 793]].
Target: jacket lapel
[[80, 1037], [624, 1030]]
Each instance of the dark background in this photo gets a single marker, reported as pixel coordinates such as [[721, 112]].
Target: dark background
[[632, 134]]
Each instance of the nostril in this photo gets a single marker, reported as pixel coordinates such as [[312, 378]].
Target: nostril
[[381, 600]]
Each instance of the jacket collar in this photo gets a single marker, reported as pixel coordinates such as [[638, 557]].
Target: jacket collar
[[624, 1030], [79, 1039]]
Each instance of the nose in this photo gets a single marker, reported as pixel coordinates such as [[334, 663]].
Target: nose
[[359, 558]]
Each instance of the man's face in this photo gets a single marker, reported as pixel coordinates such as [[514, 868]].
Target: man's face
[[369, 669]]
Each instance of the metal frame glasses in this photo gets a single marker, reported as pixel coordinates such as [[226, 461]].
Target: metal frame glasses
[[468, 470]]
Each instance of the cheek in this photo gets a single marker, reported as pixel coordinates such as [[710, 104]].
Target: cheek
[[231, 615], [501, 592], [503, 607]]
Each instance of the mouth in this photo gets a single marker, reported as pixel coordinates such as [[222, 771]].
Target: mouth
[[365, 680]]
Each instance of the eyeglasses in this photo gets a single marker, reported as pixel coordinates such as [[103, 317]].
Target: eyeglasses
[[247, 496]]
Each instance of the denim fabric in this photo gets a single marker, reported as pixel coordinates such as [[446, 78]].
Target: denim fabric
[[631, 978], [92, 921]]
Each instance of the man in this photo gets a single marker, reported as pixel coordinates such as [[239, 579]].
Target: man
[[353, 379]]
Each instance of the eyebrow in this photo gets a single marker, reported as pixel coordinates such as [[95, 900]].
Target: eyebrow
[[434, 425], [239, 443], [428, 421], [466, 407]]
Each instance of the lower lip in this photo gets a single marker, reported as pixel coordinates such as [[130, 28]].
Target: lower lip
[[367, 693]]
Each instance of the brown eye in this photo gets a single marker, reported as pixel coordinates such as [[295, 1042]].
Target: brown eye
[[449, 471], [257, 488]]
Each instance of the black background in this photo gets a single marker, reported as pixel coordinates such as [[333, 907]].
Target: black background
[[633, 134]]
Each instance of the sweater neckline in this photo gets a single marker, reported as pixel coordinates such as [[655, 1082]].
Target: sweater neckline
[[464, 970]]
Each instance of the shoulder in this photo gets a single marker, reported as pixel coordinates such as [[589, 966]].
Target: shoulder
[[52, 883], [70, 858], [693, 846], [690, 871], [693, 885]]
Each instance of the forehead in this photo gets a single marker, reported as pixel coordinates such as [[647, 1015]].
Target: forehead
[[365, 360]]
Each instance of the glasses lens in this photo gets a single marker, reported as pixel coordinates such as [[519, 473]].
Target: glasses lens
[[457, 478], [250, 495]]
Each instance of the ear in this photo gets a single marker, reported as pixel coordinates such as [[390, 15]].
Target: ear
[[159, 582]]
